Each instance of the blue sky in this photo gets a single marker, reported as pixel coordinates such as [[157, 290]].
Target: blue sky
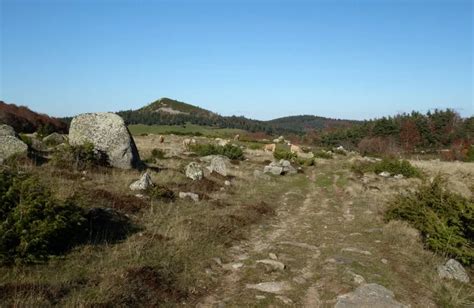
[[262, 59]]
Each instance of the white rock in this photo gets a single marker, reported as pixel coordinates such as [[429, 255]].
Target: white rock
[[276, 265], [384, 174], [192, 196], [273, 256], [270, 287]]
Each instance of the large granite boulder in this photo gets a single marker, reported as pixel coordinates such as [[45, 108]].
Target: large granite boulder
[[10, 144], [109, 134]]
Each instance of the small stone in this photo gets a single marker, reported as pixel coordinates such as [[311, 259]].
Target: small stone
[[227, 183], [398, 176], [273, 256], [384, 174], [233, 266], [260, 297], [276, 265], [384, 261], [192, 196], [270, 287], [356, 250], [284, 299]]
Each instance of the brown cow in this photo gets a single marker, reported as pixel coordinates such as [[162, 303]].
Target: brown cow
[[269, 147], [295, 149]]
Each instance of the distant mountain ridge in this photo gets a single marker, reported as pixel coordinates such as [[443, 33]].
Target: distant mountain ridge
[[167, 111]]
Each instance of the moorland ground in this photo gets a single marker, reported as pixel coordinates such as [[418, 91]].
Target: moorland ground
[[325, 225]]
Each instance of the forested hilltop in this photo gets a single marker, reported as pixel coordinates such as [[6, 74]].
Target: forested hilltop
[[167, 111]]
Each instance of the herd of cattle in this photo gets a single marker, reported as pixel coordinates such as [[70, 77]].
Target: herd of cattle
[[271, 147]]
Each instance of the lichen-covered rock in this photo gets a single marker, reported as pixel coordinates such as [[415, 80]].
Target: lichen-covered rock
[[194, 171], [109, 134], [10, 144]]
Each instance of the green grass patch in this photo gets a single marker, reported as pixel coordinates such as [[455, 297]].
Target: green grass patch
[[230, 151], [184, 130], [323, 154]]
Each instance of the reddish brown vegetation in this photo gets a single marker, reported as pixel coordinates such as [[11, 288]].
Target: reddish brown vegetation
[[23, 120]]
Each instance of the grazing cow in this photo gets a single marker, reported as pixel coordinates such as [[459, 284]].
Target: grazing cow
[[161, 139], [222, 142], [188, 142], [237, 137], [295, 149], [269, 147]]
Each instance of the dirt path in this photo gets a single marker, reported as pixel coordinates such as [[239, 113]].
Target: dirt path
[[328, 238]]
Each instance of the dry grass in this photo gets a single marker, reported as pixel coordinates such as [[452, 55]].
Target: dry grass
[[168, 262]]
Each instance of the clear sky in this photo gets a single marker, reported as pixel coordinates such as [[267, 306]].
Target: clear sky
[[262, 59]]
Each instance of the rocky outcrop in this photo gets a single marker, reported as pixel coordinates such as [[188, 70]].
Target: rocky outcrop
[[109, 134], [9, 144]]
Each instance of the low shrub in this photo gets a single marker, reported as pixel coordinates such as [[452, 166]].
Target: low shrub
[[161, 193], [284, 154], [26, 139], [470, 154], [323, 154], [393, 166], [229, 150], [305, 161], [445, 219], [79, 157], [157, 154], [340, 152], [35, 225]]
